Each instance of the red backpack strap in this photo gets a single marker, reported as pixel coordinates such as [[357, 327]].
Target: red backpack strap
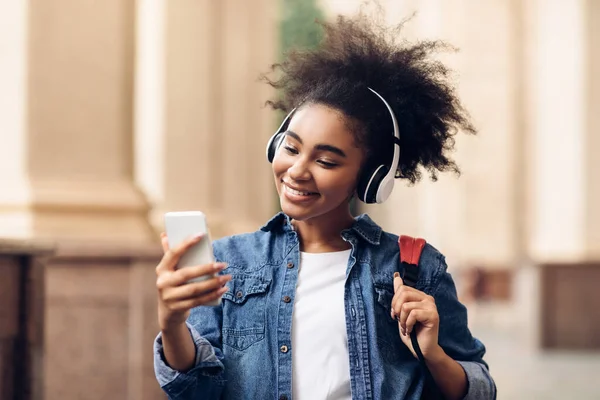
[[410, 253]]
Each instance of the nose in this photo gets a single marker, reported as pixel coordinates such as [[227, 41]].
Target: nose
[[299, 170]]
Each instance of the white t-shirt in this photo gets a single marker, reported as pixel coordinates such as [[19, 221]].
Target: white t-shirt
[[320, 360]]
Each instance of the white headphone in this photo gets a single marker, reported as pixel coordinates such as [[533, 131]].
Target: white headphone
[[376, 181]]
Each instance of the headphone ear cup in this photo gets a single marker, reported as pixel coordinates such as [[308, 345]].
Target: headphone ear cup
[[273, 145], [363, 181], [385, 189], [373, 188], [277, 137], [369, 182]]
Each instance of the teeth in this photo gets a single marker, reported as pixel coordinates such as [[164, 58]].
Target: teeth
[[296, 192]]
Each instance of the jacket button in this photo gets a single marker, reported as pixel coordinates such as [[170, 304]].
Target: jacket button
[[284, 349], [239, 294], [290, 265], [287, 299], [283, 397]]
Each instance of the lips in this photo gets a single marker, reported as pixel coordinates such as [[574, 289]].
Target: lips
[[297, 191]]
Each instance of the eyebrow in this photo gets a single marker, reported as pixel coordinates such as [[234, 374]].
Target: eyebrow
[[322, 147]]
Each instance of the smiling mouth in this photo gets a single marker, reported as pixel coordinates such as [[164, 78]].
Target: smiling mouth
[[297, 192]]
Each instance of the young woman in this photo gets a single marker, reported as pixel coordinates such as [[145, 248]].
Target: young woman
[[313, 305]]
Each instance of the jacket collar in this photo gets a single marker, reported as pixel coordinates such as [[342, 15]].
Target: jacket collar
[[363, 226]]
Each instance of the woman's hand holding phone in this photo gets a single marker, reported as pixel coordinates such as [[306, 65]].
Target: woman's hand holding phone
[[177, 292]]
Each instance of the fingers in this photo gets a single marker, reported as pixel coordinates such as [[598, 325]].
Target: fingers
[[194, 290], [410, 306], [407, 308], [401, 288], [398, 283], [417, 311], [401, 298], [427, 317], [164, 242], [176, 297], [183, 275], [172, 256], [200, 300]]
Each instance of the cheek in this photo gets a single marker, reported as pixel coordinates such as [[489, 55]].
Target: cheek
[[279, 166], [339, 185]]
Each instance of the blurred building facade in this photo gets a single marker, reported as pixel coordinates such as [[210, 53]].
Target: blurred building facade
[[113, 112], [523, 216]]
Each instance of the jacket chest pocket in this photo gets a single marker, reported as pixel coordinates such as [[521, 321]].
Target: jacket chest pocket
[[244, 311], [387, 328], [387, 332]]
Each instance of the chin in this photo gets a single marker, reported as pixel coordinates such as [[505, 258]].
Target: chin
[[296, 212]]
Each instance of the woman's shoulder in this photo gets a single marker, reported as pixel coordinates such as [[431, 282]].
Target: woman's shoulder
[[432, 263]]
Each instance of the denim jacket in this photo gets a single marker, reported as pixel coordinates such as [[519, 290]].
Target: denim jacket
[[243, 346]]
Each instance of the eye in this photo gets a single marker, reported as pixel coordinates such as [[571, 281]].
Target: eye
[[327, 164], [290, 149]]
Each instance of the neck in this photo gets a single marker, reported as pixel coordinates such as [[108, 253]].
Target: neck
[[323, 234]]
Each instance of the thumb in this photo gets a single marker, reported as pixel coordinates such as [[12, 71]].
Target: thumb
[[397, 282]]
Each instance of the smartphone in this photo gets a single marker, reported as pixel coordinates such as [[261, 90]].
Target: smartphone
[[181, 225]]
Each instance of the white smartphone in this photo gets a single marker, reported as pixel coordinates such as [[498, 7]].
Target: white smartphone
[[182, 225]]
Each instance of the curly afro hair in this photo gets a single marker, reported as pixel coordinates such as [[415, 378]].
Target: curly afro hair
[[357, 53]]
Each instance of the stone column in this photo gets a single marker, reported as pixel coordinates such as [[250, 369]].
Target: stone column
[[66, 168], [592, 171], [15, 195], [563, 176], [207, 152], [557, 88], [66, 126], [249, 46]]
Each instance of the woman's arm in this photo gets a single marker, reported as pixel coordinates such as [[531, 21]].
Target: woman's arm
[[205, 379], [453, 356], [456, 339], [415, 310], [448, 375], [178, 347], [188, 365]]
